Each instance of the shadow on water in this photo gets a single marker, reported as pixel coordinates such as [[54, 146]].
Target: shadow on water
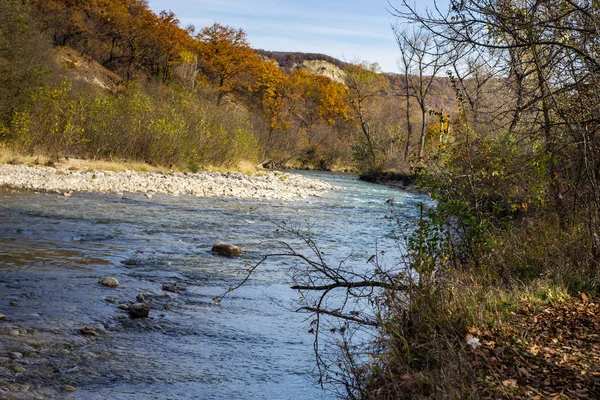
[[53, 250]]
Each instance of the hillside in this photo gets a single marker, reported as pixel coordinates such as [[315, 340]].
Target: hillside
[[127, 83], [442, 99]]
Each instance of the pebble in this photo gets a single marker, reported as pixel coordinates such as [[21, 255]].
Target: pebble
[[139, 298], [124, 306], [14, 332], [68, 388], [13, 303], [110, 300], [18, 369], [15, 355], [2, 316], [109, 281]]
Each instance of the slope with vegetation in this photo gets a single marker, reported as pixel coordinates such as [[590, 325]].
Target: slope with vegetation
[[110, 79]]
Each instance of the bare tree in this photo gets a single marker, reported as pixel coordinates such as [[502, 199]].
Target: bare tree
[[550, 65], [344, 301], [422, 59]]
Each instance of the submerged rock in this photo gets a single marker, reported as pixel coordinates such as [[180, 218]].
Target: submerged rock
[[139, 310], [173, 287], [139, 298], [87, 331], [109, 281], [226, 249]]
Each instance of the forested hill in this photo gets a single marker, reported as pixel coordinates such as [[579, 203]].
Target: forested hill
[[188, 96], [289, 59], [443, 94]]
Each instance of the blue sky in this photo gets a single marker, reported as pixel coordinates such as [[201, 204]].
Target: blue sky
[[344, 29]]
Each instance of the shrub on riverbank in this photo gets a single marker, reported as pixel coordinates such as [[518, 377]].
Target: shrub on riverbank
[[511, 250], [451, 329], [164, 127]]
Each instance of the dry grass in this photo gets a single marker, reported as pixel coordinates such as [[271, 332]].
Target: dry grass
[[11, 156], [535, 268], [247, 167], [100, 165]]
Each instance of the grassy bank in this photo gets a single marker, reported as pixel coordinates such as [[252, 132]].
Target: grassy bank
[[516, 322], [10, 156]]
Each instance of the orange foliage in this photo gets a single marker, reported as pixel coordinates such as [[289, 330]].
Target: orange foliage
[[227, 58], [124, 35]]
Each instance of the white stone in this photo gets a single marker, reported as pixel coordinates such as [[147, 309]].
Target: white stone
[[109, 281]]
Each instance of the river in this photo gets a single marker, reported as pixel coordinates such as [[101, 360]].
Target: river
[[54, 249]]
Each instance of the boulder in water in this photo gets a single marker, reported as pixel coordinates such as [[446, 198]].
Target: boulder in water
[[139, 310], [226, 249], [109, 281]]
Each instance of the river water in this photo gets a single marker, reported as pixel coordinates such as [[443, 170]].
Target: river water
[[254, 345]]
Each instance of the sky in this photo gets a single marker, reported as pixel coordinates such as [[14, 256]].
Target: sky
[[349, 30]]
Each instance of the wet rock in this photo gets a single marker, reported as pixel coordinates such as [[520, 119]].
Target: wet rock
[[173, 287], [13, 303], [139, 310], [109, 281], [14, 332], [110, 300], [2, 316], [15, 355], [139, 298], [124, 307], [68, 388], [226, 249], [87, 331], [18, 369], [24, 349]]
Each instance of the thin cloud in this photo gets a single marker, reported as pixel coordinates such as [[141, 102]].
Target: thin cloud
[[351, 28]]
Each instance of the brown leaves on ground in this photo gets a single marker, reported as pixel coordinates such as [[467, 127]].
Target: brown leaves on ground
[[552, 353]]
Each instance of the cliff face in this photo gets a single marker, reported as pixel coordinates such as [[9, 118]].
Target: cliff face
[[324, 68], [317, 64]]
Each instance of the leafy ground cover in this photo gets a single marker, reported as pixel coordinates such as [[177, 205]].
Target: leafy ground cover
[[550, 351]]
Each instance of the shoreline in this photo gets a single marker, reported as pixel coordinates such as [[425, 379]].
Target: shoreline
[[393, 180], [259, 185]]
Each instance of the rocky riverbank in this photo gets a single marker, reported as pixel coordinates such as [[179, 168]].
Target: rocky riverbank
[[391, 179], [263, 184]]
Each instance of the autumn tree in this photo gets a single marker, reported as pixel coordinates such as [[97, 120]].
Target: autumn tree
[[227, 58], [364, 83], [320, 108], [272, 85]]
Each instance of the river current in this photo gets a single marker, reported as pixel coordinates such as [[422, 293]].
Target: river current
[[54, 249]]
